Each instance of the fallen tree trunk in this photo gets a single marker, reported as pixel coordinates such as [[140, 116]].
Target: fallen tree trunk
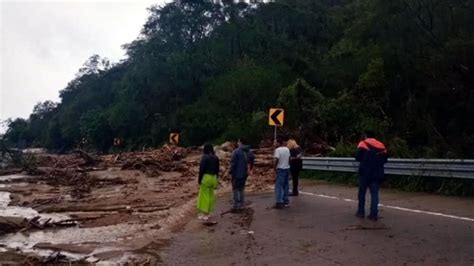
[[11, 224], [88, 159]]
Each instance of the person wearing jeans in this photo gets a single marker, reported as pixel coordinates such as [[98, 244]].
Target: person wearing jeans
[[238, 196], [282, 188], [241, 165], [282, 167], [372, 156], [374, 195]]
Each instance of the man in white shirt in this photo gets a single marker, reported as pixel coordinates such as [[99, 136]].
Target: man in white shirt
[[282, 167]]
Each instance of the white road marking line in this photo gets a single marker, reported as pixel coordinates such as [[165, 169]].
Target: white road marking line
[[393, 207]]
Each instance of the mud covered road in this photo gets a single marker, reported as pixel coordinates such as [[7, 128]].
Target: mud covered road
[[320, 229], [140, 208]]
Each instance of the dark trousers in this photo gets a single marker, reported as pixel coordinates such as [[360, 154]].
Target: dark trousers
[[295, 175], [373, 186], [239, 200], [238, 188]]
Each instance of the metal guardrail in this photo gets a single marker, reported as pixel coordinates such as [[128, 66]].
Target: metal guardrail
[[450, 168]]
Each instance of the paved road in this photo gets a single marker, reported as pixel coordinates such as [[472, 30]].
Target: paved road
[[416, 229]]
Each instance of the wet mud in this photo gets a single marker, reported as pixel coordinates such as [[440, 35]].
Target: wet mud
[[112, 209]]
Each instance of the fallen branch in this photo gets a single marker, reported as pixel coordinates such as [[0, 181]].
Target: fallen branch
[[54, 257], [86, 157], [117, 158]]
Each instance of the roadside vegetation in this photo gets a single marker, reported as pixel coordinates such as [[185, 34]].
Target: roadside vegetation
[[211, 72]]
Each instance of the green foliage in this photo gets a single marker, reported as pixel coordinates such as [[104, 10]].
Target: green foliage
[[343, 150], [18, 133], [399, 148], [303, 106], [96, 131], [211, 72]]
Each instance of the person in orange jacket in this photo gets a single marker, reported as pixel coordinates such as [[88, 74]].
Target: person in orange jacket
[[372, 156]]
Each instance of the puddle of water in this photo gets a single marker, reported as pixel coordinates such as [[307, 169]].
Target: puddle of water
[[17, 211], [73, 235], [123, 238], [15, 184], [108, 238], [4, 200], [13, 177], [46, 253]]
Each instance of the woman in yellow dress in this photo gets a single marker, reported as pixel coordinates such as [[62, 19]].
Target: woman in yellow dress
[[208, 174]]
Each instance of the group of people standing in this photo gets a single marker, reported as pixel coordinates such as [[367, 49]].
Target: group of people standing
[[287, 162], [371, 154]]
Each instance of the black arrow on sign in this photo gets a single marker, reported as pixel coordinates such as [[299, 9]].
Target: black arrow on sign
[[274, 117], [173, 138]]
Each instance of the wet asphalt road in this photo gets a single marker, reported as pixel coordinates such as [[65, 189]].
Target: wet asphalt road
[[324, 231]]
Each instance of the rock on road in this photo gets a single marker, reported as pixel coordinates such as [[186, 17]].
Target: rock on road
[[318, 230]]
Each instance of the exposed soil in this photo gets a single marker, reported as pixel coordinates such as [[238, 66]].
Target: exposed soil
[[139, 208], [114, 208]]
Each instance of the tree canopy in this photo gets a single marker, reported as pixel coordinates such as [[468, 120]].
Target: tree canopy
[[211, 71]]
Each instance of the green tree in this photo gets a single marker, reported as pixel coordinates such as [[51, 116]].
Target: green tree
[[303, 106]]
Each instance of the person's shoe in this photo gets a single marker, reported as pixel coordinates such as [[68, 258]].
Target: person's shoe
[[372, 218], [278, 206], [360, 215], [236, 210], [286, 205], [293, 194], [209, 223]]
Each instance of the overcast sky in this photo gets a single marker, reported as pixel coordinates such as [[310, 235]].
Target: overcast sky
[[43, 44]]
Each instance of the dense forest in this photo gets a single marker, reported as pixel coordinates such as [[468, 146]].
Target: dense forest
[[404, 68]]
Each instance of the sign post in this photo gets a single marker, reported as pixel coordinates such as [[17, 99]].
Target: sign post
[[276, 118], [174, 138], [117, 142]]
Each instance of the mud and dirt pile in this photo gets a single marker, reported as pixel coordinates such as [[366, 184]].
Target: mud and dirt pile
[[166, 159], [262, 176], [80, 182], [71, 171], [114, 203], [127, 197]]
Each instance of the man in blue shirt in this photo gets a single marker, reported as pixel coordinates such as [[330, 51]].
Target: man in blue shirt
[[372, 155], [241, 165]]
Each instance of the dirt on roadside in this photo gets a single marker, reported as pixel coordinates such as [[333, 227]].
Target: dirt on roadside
[[114, 208]]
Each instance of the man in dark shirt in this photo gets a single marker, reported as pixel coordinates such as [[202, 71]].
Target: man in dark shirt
[[241, 164], [372, 155]]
